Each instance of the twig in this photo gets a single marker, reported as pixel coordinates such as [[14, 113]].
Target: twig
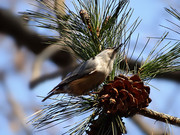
[[160, 116], [43, 78], [48, 53], [63, 72], [145, 127]]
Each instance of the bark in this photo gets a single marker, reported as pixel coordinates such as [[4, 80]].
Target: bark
[[160, 116]]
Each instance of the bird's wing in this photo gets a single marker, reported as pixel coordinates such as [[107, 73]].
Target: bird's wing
[[83, 69]]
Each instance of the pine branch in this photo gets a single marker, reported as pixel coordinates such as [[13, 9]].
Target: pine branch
[[166, 60], [145, 126], [160, 116]]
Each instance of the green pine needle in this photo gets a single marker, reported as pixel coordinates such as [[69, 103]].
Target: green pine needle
[[166, 60], [62, 110], [175, 14]]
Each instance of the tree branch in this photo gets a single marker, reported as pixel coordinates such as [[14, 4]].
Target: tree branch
[[43, 78], [12, 25], [145, 127], [160, 116]]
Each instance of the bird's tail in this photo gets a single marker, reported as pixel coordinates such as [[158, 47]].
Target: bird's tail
[[55, 90], [49, 95]]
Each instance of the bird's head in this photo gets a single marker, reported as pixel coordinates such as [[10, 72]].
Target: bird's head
[[110, 53]]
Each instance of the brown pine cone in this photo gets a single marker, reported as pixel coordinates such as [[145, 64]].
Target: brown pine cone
[[85, 18], [124, 95]]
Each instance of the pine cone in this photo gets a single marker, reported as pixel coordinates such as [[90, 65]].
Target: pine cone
[[124, 95], [85, 18]]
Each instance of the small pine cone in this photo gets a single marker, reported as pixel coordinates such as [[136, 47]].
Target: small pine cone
[[124, 95], [85, 18]]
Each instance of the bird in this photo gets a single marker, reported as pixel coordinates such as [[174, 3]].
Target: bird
[[88, 75]]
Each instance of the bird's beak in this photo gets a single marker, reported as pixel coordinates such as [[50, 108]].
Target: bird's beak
[[118, 47]]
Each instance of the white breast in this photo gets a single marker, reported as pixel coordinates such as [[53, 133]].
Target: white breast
[[103, 66]]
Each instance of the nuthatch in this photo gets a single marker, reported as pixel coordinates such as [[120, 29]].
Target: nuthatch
[[87, 75]]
